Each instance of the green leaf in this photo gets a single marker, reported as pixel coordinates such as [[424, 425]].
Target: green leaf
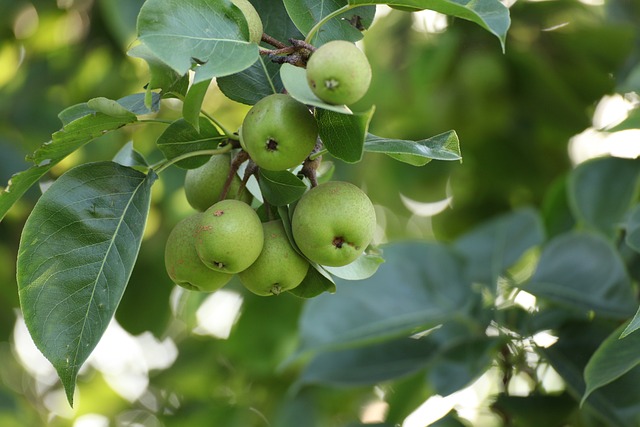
[[614, 358], [128, 156], [280, 188], [632, 235], [294, 80], [369, 365], [210, 35], [362, 268], [445, 146], [276, 20], [343, 134], [251, 85], [77, 251], [181, 138], [110, 108], [491, 15], [315, 283], [162, 76], [601, 192], [583, 271], [633, 325], [19, 184], [307, 13], [193, 103], [418, 287], [536, 409], [497, 244]]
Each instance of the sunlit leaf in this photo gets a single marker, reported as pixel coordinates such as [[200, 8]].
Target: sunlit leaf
[[208, 35], [343, 135], [77, 251], [362, 268]]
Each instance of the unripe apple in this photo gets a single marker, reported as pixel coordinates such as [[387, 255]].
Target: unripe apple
[[279, 267], [253, 19], [229, 237], [338, 72], [181, 260], [333, 223], [203, 185], [278, 132]]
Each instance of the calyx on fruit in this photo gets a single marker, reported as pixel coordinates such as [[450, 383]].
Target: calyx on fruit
[[278, 132], [338, 72], [203, 185], [229, 236], [279, 267], [333, 223], [181, 260], [253, 19]]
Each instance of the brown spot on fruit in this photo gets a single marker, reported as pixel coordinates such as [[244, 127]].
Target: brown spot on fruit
[[272, 144], [218, 213], [338, 242]]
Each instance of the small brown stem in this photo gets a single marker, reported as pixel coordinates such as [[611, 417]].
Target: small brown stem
[[239, 159], [252, 169], [310, 166], [272, 41], [283, 51], [301, 44]]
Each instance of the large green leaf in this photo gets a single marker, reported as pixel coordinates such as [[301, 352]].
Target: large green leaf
[[208, 35], [316, 282], [444, 146], [491, 15], [497, 244], [181, 138], [307, 13], [280, 187], [77, 251], [343, 134], [294, 80], [602, 190], [81, 124], [419, 286], [251, 85], [614, 358], [583, 271]]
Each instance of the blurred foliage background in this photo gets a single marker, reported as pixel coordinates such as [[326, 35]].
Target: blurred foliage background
[[515, 114]]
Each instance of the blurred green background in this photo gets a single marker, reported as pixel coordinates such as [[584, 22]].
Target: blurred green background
[[515, 114]]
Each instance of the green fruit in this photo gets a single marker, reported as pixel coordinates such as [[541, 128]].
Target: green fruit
[[333, 223], [181, 260], [203, 185], [278, 132], [253, 19], [229, 237], [339, 73], [279, 267]]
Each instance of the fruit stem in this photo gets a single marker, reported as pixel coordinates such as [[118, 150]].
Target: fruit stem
[[161, 166], [252, 169], [318, 154], [273, 41], [326, 19], [239, 159]]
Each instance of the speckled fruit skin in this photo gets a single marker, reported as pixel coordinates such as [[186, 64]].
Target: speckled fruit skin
[[333, 223], [181, 260], [229, 236], [203, 185], [253, 19], [278, 132], [339, 73], [279, 267]]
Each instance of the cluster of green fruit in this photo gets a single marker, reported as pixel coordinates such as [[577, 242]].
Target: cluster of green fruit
[[332, 225]]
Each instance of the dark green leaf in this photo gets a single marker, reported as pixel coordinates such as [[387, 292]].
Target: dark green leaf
[[110, 108], [343, 134], [584, 272], [306, 13], [77, 251], [362, 268], [369, 365], [181, 138], [535, 410], [497, 244], [275, 20], [18, 185], [418, 287], [211, 35], [128, 156], [280, 187], [614, 358], [162, 76], [601, 192], [294, 80], [136, 103], [632, 235], [251, 85], [193, 103], [417, 153], [491, 15], [315, 283]]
